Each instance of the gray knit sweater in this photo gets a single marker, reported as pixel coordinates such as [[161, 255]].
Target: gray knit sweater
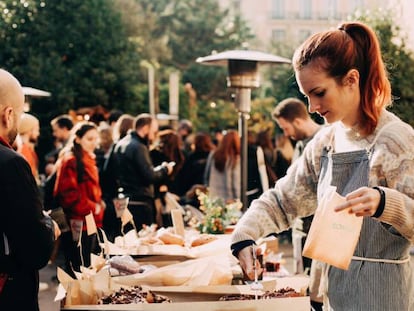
[[392, 168]]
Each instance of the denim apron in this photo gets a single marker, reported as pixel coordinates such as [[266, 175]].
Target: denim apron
[[379, 277]]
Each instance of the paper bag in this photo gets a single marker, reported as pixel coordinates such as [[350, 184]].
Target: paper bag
[[86, 289], [333, 236]]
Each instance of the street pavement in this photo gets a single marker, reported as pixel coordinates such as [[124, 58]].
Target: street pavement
[[47, 297]]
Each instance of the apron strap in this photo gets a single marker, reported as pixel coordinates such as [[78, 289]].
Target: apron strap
[[391, 261], [323, 286]]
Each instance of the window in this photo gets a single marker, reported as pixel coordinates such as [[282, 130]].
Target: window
[[329, 9], [305, 9], [278, 35], [356, 5], [278, 9], [236, 6]]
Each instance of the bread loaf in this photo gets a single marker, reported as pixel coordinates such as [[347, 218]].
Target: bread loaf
[[203, 239], [171, 238]]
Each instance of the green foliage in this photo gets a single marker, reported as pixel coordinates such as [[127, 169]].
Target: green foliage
[[197, 32], [219, 114], [172, 34], [209, 81], [145, 25], [164, 100], [398, 59], [75, 49], [261, 115], [217, 214]]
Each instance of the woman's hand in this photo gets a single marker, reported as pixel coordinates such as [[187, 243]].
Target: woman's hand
[[99, 207], [56, 229], [246, 262], [361, 202]]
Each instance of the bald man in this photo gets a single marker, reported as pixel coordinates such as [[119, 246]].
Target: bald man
[[26, 234], [29, 131]]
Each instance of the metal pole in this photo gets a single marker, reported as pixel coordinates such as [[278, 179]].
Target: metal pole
[[151, 89], [243, 105]]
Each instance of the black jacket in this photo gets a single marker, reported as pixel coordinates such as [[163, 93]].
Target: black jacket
[[192, 172], [26, 235], [137, 174]]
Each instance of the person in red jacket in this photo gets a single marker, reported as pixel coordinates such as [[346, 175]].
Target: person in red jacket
[[78, 192]]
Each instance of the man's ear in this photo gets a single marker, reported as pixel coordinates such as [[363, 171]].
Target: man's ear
[[146, 128], [297, 122], [7, 117], [351, 78]]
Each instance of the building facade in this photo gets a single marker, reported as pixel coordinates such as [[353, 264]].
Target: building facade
[[291, 21]]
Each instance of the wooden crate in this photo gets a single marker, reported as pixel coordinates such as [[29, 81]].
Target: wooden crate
[[277, 304], [205, 298]]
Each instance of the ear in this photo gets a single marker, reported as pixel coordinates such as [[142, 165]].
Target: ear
[[351, 78], [7, 117], [297, 122], [146, 128]]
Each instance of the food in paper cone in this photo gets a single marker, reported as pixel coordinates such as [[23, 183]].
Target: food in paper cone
[[170, 238], [280, 293], [125, 264], [133, 295], [151, 241], [165, 242], [120, 204], [148, 231], [203, 239]]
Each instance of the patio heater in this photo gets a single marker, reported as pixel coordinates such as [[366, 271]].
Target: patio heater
[[30, 92], [243, 75]]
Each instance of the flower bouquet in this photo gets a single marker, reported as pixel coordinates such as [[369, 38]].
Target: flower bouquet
[[217, 213]]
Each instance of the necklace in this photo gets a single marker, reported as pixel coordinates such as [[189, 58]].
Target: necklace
[[352, 132]]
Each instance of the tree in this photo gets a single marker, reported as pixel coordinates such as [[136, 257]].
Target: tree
[[171, 35], [145, 25], [75, 49], [198, 28]]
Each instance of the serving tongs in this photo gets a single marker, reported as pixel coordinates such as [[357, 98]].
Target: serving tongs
[[256, 286]]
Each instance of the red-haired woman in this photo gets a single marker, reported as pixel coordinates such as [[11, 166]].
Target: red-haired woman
[[78, 192], [223, 168], [367, 153]]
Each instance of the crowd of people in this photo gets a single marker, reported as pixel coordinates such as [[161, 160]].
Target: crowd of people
[[90, 165]]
